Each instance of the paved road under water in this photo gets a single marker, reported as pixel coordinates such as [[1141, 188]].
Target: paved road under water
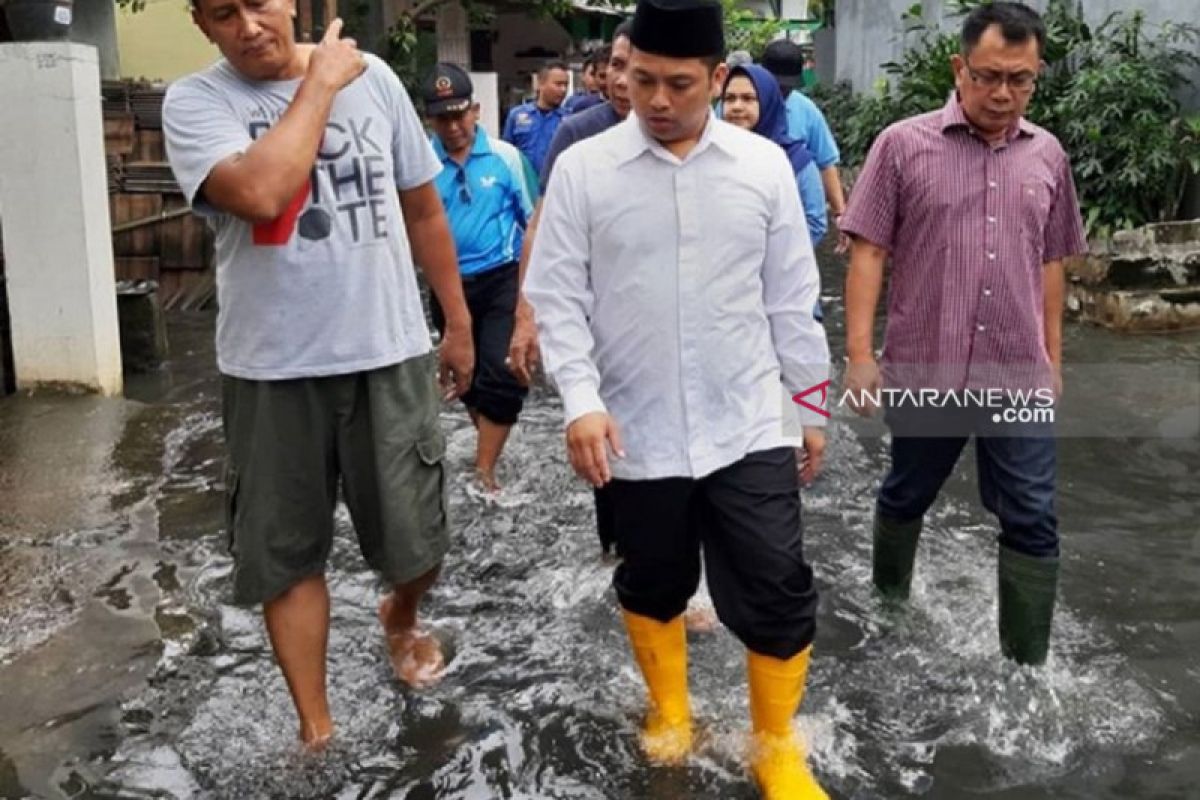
[[125, 673]]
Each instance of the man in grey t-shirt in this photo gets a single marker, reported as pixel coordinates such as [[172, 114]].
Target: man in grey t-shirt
[[311, 166]]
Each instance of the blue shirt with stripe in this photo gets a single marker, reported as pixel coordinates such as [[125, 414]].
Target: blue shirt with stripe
[[530, 130], [807, 123], [487, 201]]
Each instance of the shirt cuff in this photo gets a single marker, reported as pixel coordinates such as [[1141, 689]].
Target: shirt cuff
[[579, 400]]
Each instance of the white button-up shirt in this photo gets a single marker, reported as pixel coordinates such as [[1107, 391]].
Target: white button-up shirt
[[678, 295]]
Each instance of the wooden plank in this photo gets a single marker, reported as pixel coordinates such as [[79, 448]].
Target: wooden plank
[[118, 134], [331, 11], [183, 245], [136, 268], [304, 7], [148, 145], [126, 207]]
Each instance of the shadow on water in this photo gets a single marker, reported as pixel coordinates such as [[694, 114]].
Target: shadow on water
[[542, 700]]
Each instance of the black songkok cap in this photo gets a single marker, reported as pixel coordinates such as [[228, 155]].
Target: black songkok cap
[[679, 28]]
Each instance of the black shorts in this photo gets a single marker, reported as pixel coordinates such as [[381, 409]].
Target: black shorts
[[492, 300], [746, 519]]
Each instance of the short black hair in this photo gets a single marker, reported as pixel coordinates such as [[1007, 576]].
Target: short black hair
[[603, 55], [544, 70], [1018, 24], [623, 30]]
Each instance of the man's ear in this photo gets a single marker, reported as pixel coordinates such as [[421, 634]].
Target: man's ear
[[718, 79]]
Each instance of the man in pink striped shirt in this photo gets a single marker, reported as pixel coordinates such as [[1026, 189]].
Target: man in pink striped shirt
[[976, 208]]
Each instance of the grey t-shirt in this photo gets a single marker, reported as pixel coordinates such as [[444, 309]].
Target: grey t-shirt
[[329, 287]]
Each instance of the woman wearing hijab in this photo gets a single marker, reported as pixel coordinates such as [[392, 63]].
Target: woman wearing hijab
[[751, 100]]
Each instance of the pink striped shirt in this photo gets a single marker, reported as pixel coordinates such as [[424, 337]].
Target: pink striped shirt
[[968, 227]]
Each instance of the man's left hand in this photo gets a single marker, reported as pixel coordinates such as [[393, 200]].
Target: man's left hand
[[523, 347], [456, 361], [811, 457]]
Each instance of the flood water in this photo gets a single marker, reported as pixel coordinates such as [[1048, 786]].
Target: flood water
[[125, 673]]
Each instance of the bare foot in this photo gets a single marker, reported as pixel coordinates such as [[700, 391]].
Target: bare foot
[[487, 480], [315, 737], [416, 655], [701, 619]]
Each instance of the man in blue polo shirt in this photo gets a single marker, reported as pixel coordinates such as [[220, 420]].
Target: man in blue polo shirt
[[531, 126], [482, 186], [785, 60]]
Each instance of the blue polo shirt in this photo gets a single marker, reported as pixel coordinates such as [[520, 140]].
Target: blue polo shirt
[[487, 202], [530, 129], [807, 123]]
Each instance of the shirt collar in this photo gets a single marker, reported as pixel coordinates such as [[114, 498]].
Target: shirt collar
[[952, 117], [635, 141]]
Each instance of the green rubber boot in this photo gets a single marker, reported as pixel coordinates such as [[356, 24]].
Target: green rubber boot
[[893, 554], [1027, 588]]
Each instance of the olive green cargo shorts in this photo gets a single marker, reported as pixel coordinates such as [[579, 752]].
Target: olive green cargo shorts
[[291, 441]]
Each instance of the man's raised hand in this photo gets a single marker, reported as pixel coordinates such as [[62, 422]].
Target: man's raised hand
[[335, 61]]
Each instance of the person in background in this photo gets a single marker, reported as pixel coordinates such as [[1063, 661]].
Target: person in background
[[975, 208], [751, 100], [669, 322], [482, 186], [530, 126], [582, 102], [588, 94], [311, 165], [589, 74], [785, 60], [523, 350]]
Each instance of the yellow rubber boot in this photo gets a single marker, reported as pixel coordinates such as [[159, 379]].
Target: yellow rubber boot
[[661, 651], [778, 760]]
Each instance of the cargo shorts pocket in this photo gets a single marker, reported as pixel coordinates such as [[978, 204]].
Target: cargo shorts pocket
[[430, 485], [232, 484]]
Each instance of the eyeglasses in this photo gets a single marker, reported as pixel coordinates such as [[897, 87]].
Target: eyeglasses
[[464, 192], [990, 79]]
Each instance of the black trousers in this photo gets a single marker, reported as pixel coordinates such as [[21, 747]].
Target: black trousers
[[492, 300], [746, 519]]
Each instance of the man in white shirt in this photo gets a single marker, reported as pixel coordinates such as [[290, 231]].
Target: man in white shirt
[[673, 284]]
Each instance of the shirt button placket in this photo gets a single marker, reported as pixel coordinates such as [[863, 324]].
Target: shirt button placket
[[690, 328]]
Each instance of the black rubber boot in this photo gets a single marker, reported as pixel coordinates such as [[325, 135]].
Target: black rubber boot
[[893, 554], [1027, 588]]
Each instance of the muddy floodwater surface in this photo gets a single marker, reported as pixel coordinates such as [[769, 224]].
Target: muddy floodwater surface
[[125, 672]]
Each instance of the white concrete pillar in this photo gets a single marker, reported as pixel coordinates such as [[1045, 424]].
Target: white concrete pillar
[[54, 209]]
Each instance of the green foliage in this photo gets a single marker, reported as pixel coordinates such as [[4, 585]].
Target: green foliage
[[746, 30], [1108, 94]]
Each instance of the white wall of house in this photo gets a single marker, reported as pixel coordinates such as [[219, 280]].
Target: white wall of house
[[516, 33]]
